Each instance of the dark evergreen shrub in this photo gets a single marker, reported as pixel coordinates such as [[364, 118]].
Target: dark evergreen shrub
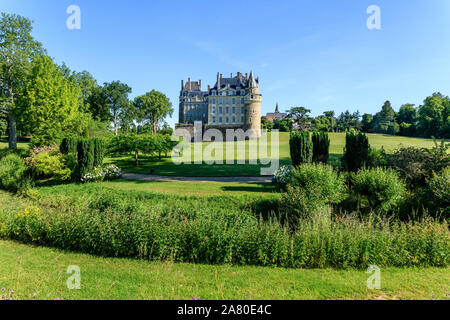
[[99, 152], [321, 147], [69, 145], [357, 151], [86, 151], [301, 148]]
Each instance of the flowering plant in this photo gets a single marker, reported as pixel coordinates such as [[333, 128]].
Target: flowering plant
[[282, 175], [111, 172]]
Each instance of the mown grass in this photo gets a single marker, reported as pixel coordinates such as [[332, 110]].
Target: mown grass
[[193, 188], [168, 168], [41, 273]]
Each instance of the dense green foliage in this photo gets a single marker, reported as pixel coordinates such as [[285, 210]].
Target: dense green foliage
[[321, 147], [356, 152], [216, 230], [49, 106], [86, 157], [12, 172], [311, 189], [439, 188], [99, 151], [301, 147], [47, 163], [69, 145], [382, 188]]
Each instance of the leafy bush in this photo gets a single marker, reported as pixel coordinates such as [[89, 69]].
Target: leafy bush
[[439, 188], [312, 187], [214, 230], [417, 165], [356, 152], [112, 172], [99, 151], [12, 173], [48, 163], [382, 188], [301, 148], [321, 147]]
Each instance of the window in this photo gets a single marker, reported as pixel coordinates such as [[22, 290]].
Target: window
[[242, 101], [214, 119], [220, 110], [234, 100], [227, 110], [213, 101], [226, 120], [227, 101], [234, 110], [220, 119], [220, 101], [242, 110], [213, 110], [234, 119], [242, 119]]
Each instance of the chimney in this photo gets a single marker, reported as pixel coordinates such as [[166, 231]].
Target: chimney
[[209, 87], [200, 84], [189, 84], [218, 80], [231, 75], [246, 76], [182, 85]]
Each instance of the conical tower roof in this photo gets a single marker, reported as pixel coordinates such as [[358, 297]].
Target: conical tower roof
[[251, 81]]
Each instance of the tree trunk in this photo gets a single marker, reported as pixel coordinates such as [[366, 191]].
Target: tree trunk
[[12, 133], [116, 128], [136, 155]]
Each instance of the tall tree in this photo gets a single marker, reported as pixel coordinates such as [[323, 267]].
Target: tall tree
[[17, 49], [384, 121], [49, 105], [116, 98], [433, 115], [300, 115], [330, 115], [153, 107]]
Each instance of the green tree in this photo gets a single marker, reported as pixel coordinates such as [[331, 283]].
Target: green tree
[[433, 116], [153, 107], [17, 49], [300, 115], [384, 121], [115, 95], [49, 105], [366, 123], [330, 116]]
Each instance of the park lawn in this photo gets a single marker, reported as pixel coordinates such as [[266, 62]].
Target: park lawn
[[193, 188], [37, 271], [167, 167]]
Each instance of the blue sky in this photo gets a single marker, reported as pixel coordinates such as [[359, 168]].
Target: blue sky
[[318, 54]]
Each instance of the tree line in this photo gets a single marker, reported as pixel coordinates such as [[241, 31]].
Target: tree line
[[46, 102], [431, 119]]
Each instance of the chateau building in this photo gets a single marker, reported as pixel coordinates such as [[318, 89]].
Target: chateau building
[[233, 103], [277, 115]]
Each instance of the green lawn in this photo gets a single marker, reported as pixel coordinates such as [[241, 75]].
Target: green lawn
[[38, 271], [168, 168], [193, 188]]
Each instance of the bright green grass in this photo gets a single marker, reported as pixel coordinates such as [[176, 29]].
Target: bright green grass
[[29, 271], [193, 188], [168, 168]]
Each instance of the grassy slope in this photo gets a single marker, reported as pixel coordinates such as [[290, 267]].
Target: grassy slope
[[167, 167], [31, 270]]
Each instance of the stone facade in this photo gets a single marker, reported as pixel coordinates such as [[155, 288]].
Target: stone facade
[[233, 103]]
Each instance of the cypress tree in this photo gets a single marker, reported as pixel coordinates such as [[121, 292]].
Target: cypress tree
[[357, 151], [321, 147], [301, 148], [99, 151], [86, 150], [69, 145]]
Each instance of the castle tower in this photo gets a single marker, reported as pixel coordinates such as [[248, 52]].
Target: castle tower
[[253, 107]]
